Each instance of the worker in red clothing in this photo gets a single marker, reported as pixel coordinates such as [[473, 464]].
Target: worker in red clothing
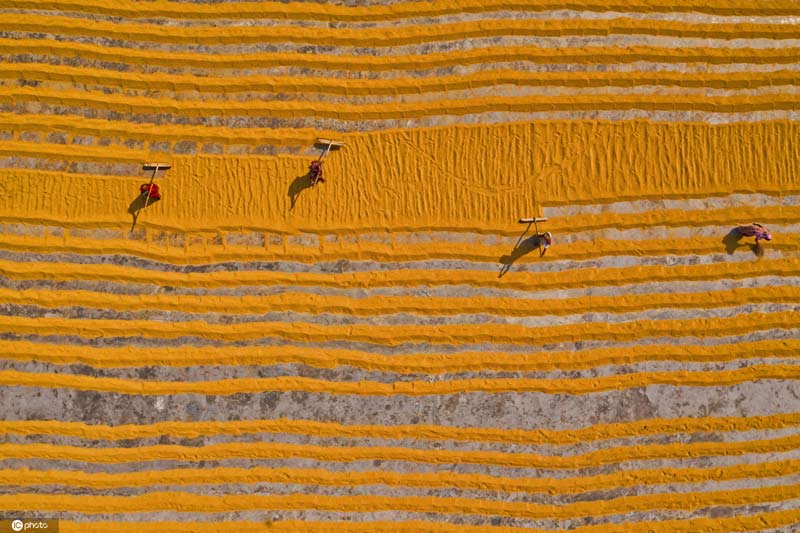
[[150, 189], [315, 172]]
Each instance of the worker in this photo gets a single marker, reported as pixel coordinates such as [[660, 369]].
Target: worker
[[150, 189], [754, 230], [315, 172], [547, 238]]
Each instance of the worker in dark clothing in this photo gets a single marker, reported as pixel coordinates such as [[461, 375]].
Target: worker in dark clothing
[[315, 172], [754, 230]]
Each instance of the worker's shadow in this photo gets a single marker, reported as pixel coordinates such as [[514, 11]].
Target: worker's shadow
[[299, 184], [731, 242], [135, 209], [523, 247]]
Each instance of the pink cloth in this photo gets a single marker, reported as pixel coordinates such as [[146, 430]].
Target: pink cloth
[[754, 230]]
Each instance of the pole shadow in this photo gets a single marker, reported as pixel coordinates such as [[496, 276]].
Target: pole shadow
[[297, 186], [522, 247], [136, 207], [731, 242]]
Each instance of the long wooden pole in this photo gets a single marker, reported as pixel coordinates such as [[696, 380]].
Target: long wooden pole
[[536, 180], [538, 238], [324, 153], [150, 186]]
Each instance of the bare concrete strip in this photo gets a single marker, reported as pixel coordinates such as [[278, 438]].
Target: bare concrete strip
[[508, 410], [398, 319], [499, 89], [690, 204], [311, 22], [345, 265], [525, 66], [436, 45]]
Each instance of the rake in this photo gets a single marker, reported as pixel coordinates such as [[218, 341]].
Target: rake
[[329, 143]]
